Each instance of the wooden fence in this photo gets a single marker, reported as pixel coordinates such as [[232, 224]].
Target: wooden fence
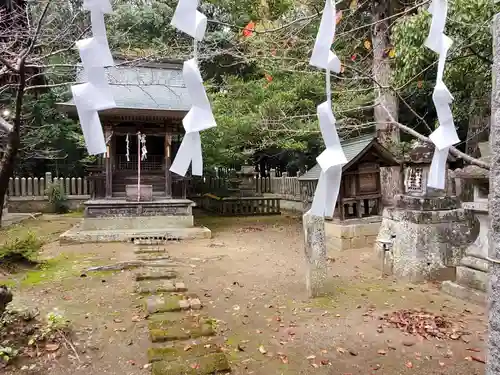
[[36, 187], [241, 206], [286, 187]]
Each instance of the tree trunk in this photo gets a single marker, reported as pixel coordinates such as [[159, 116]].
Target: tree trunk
[[493, 360], [13, 141], [387, 133]]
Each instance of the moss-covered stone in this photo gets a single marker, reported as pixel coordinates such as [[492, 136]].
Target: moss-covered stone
[[155, 274], [156, 304], [155, 287], [211, 364], [170, 354], [150, 250], [153, 257], [161, 333]]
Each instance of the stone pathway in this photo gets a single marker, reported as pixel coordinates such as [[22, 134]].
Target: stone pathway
[[180, 334]]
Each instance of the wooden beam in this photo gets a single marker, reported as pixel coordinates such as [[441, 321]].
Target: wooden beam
[[168, 163], [108, 131]]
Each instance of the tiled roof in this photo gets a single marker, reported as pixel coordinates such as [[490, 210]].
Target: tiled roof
[[151, 86], [352, 148]]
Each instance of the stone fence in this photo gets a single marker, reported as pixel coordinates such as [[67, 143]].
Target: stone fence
[[29, 194]]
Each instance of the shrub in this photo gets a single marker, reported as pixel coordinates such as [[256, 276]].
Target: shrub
[[21, 249], [57, 198]]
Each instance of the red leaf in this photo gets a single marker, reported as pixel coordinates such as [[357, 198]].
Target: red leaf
[[478, 359], [249, 29], [409, 364], [354, 57], [269, 78], [195, 366]]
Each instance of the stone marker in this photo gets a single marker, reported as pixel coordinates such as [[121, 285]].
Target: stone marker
[[150, 250], [176, 353], [315, 251], [156, 304], [155, 274], [156, 286], [153, 257], [493, 360]]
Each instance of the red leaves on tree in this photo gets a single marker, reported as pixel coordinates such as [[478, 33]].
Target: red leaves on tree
[[249, 29]]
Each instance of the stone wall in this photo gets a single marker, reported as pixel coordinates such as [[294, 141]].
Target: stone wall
[[352, 234], [41, 204]]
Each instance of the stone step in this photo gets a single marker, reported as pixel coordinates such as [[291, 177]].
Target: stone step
[[148, 242], [176, 353], [153, 257], [150, 250], [159, 286], [215, 363], [155, 274], [159, 304], [191, 327]]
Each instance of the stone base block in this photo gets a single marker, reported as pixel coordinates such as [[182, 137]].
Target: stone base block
[[352, 234], [464, 293], [76, 235], [137, 222], [472, 278]]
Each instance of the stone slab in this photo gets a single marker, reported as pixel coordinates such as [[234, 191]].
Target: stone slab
[[115, 208], [161, 332], [159, 286], [179, 353], [137, 222], [150, 250], [153, 257], [464, 293], [472, 278], [76, 235], [157, 304], [215, 363], [155, 274]]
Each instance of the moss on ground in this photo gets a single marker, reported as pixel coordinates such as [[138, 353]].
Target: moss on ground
[[170, 354], [211, 364]]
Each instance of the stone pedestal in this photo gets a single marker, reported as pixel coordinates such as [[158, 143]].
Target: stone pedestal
[[429, 237], [132, 193], [352, 234], [247, 181], [472, 273]]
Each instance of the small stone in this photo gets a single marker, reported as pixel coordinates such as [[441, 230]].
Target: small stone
[[353, 352], [180, 287], [195, 304], [184, 304]]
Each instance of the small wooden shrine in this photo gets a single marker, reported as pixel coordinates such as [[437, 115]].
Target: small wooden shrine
[[360, 191], [151, 100]]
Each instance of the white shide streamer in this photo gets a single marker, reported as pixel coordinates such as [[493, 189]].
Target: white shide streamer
[[127, 141], [333, 158], [94, 95], [445, 135], [200, 117], [144, 149]]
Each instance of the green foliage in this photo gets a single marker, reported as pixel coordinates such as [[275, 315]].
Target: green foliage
[[57, 198], [21, 249], [55, 326], [7, 353]]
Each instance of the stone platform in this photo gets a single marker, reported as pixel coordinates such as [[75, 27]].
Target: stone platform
[[120, 220], [352, 234], [430, 237]]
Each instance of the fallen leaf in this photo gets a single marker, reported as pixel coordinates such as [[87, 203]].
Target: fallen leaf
[[136, 319], [311, 357], [475, 350], [478, 359], [262, 349], [325, 362], [442, 364], [341, 350], [52, 347], [315, 365], [187, 348], [117, 320], [382, 352], [195, 366], [409, 364], [353, 352]]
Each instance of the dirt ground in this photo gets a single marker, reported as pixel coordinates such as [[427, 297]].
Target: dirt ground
[[250, 276]]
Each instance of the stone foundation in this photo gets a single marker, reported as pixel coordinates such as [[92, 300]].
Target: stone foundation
[[352, 234], [428, 244], [118, 220]]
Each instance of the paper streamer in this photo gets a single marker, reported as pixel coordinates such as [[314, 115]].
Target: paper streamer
[[333, 158], [187, 19], [95, 95], [200, 116], [445, 135]]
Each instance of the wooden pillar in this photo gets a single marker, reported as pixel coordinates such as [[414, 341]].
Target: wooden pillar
[[168, 164], [108, 134]]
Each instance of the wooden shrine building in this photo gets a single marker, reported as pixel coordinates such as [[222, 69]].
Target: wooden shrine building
[[360, 190], [151, 99]]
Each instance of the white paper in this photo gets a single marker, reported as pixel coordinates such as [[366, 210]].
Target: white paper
[[326, 193], [189, 152], [98, 26], [103, 6], [92, 131], [88, 97], [187, 19], [94, 53], [439, 10], [437, 172], [322, 56], [333, 155], [200, 117]]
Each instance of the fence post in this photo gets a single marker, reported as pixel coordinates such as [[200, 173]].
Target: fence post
[[67, 186], [11, 186], [48, 180], [23, 186], [73, 186], [36, 189], [79, 186], [17, 187], [30, 186], [42, 187]]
